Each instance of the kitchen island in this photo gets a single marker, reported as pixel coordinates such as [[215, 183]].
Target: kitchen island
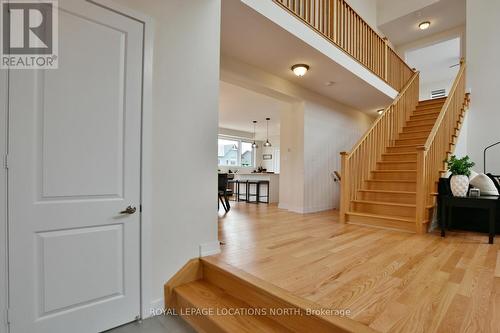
[[273, 179]]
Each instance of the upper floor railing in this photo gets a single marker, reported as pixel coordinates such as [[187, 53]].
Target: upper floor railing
[[341, 25]]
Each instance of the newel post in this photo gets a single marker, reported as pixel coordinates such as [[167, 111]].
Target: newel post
[[344, 186], [421, 191]]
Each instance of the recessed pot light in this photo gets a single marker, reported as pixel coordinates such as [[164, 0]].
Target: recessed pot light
[[380, 111], [329, 83], [300, 69], [424, 25]]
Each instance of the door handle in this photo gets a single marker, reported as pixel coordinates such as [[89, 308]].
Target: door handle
[[129, 210]]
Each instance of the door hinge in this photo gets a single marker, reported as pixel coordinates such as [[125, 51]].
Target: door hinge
[[6, 161], [7, 316], [140, 208]]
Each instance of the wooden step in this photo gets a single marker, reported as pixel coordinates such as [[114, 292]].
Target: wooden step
[[215, 287], [394, 174], [402, 149], [387, 196], [400, 157], [432, 101], [433, 111], [396, 165], [391, 185], [424, 116], [418, 128], [202, 295], [413, 134], [381, 221], [384, 208], [413, 141], [420, 122]]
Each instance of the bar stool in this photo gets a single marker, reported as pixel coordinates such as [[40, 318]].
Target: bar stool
[[234, 187], [249, 191], [266, 183], [238, 184]]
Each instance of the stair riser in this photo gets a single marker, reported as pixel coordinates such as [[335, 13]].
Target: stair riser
[[400, 158], [427, 116], [258, 298], [424, 111], [405, 142], [394, 175], [391, 186], [432, 102], [397, 166], [413, 135], [383, 223], [388, 197], [420, 122], [402, 149], [201, 322], [417, 128], [381, 209]]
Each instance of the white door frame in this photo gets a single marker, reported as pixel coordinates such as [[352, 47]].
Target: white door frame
[[146, 167], [3, 201]]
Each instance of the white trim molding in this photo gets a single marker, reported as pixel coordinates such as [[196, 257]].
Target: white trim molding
[[4, 288], [146, 149]]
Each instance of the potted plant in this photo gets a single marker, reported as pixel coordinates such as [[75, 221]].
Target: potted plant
[[460, 172]]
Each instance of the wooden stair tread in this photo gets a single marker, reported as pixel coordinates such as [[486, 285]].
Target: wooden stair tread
[[204, 295], [387, 217], [384, 203], [387, 191], [387, 171], [391, 180]]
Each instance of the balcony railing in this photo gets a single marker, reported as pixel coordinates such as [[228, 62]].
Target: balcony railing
[[341, 25]]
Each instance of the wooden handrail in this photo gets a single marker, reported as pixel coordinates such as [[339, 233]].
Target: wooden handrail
[[357, 165], [445, 107], [440, 143], [341, 25], [384, 114]]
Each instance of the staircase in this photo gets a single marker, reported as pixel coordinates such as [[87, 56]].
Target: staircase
[[214, 297], [390, 177], [388, 198]]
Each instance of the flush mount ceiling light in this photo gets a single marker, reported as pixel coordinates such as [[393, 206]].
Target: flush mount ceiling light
[[267, 143], [424, 25], [300, 69]]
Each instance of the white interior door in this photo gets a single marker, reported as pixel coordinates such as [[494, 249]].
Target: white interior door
[[74, 165]]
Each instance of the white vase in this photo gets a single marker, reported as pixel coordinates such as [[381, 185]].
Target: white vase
[[459, 185]]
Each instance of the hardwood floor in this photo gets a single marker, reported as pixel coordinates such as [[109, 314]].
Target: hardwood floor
[[390, 281]]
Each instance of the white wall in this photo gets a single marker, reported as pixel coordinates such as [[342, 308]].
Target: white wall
[[292, 158], [328, 130], [483, 78], [367, 9], [185, 103], [389, 10], [427, 87]]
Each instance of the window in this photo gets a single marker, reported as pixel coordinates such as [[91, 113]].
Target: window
[[235, 152]]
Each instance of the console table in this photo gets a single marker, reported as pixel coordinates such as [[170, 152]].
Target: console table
[[489, 203]]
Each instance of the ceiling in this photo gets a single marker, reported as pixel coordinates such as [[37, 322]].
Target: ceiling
[[434, 61], [253, 39], [238, 107], [443, 15]]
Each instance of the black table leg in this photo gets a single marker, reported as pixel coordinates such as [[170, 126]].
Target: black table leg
[[442, 219], [492, 224]]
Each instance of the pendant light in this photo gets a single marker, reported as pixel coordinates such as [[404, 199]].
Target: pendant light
[[267, 144], [254, 144]]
